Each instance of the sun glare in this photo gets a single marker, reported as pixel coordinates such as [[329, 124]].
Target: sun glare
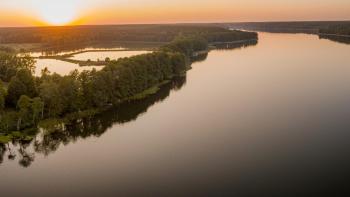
[[61, 12]]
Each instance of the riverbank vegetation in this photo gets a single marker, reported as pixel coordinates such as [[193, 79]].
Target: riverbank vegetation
[[337, 30], [55, 38], [336, 33], [61, 132], [310, 27], [26, 100]]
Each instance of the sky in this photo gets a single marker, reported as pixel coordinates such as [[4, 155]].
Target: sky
[[91, 12]]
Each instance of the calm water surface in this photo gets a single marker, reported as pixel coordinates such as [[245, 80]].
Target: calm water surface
[[60, 67], [66, 52], [266, 120], [64, 68], [102, 55]]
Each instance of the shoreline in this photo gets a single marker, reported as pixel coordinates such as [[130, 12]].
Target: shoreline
[[335, 35], [66, 57], [68, 118]]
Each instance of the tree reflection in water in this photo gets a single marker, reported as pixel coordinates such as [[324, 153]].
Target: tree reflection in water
[[49, 140], [339, 39]]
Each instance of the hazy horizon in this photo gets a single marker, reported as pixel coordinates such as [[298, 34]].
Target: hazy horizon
[[18, 13], [173, 23]]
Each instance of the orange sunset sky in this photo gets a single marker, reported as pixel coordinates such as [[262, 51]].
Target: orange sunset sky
[[84, 12]]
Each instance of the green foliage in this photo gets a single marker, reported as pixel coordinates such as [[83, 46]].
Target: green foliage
[[21, 84], [9, 121], [2, 97], [37, 109], [8, 66], [68, 87], [16, 89], [230, 36], [187, 45], [4, 139], [53, 96], [53, 39], [50, 94], [343, 29], [10, 63], [145, 93], [29, 111], [24, 106]]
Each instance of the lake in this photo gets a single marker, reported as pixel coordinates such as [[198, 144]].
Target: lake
[[264, 120], [64, 68], [102, 55], [60, 67]]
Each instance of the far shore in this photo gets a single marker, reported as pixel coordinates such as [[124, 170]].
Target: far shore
[[66, 57]]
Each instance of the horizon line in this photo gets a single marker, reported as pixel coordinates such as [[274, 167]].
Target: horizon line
[[175, 23]]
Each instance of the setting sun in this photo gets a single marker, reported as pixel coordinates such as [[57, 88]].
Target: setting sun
[[99, 12], [174, 97], [57, 12]]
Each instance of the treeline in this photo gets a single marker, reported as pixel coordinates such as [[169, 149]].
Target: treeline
[[82, 128], [311, 27], [343, 29], [51, 37], [10, 63], [27, 99]]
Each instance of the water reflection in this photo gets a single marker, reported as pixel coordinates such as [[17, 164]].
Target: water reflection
[[64, 67], [241, 45], [339, 39], [50, 139], [265, 121], [60, 67], [67, 49], [102, 55]]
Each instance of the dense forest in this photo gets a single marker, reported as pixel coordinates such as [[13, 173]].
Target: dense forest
[[26, 100], [83, 128], [312, 27], [337, 29], [336, 33], [57, 37]]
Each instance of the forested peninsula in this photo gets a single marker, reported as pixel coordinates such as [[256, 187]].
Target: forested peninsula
[[338, 33], [27, 101], [337, 30]]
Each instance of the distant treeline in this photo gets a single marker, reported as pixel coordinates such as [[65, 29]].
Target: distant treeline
[[74, 35], [312, 27], [343, 29], [25, 100], [337, 33]]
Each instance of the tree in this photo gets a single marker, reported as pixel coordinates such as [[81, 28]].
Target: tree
[[21, 84], [26, 77], [15, 89], [10, 63], [50, 95], [37, 109], [69, 92], [2, 104], [27, 62], [24, 105], [45, 72], [2, 98], [86, 90], [9, 121]]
